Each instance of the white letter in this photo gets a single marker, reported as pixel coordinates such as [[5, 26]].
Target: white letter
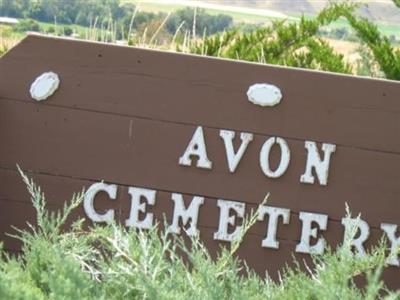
[[274, 213], [88, 202], [314, 162], [224, 220], [136, 207], [264, 157], [390, 230], [307, 232], [357, 225], [196, 147], [234, 159], [192, 212]]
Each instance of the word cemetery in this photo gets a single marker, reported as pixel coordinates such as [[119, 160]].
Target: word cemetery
[[230, 210], [196, 144]]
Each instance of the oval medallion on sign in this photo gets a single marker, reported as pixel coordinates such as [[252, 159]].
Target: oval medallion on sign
[[44, 86], [264, 94]]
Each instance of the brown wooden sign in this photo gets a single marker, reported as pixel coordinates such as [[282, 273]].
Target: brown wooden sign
[[201, 141]]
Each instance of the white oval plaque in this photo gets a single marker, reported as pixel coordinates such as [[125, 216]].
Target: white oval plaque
[[44, 86], [264, 94]]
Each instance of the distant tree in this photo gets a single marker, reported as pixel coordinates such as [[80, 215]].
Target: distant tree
[[66, 11], [51, 29], [220, 23], [28, 25], [14, 8], [397, 2], [203, 21], [68, 31], [102, 11]]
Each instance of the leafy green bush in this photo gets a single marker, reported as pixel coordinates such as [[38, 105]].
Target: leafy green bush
[[68, 31], [28, 25], [111, 262]]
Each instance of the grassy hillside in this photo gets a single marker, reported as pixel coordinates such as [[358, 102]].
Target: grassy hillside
[[240, 15], [384, 14], [382, 10]]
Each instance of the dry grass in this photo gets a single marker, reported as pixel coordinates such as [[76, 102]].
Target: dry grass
[[350, 50], [6, 43]]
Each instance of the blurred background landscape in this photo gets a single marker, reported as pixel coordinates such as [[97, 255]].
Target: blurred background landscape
[[226, 28]]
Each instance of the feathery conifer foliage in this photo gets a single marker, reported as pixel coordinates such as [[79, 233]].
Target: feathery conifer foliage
[[112, 262], [298, 44], [283, 43], [385, 55]]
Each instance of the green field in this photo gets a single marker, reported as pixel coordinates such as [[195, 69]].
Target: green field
[[76, 28], [385, 28]]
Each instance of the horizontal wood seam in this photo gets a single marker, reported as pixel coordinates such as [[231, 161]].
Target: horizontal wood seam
[[193, 125]]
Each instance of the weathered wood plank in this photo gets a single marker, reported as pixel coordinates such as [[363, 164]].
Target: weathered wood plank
[[83, 144], [196, 90]]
